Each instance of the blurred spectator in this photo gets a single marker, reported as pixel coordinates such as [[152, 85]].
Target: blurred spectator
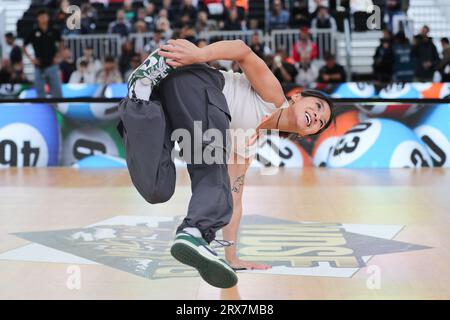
[[47, 43], [253, 24], [383, 61], [5, 71], [163, 24], [147, 15], [259, 48], [109, 74], [82, 74], [153, 44], [170, 10], [232, 21], [444, 65], [127, 54], [307, 73], [403, 68], [15, 55], [314, 6], [331, 72], [235, 67], [241, 4], [187, 14], [129, 10], [299, 15], [323, 20], [140, 26], [67, 66], [393, 8], [426, 55], [17, 74], [203, 25], [134, 63], [305, 47], [94, 65], [61, 16], [278, 17], [215, 7], [188, 33], [120, 26], [89, 18], [283, 69], [201, 43]]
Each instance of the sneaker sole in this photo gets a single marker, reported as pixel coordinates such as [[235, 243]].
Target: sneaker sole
[[212, 272]]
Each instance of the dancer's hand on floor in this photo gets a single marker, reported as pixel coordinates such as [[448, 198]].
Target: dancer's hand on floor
[[180, 52], [241, 264]]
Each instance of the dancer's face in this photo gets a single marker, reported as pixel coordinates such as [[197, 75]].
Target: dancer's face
[[308, 114]]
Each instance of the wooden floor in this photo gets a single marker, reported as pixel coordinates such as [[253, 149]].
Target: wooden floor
[[58, 198]]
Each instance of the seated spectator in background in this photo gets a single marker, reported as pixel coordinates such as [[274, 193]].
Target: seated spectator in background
[[259, 48], [109, 74], [94, 65], [383, 61], [135, 61], [163, 24], [323, 20], [129, 10], [277, 17], [128, 53], [189, 12], [67, 66], [305, 47], [17, 74], [444, 65], [202, 24], [283, 68], [426, 55], [331, 72], [140, 27], [171, 11], [240, 4], [82, 73], [232, 21], [315, 5], [60, 17], [188, 33], [89, 18], [5, 71], [154, 43], [148, 18], [121, 25], [15, 54], [393, 8], [404, 64], [215, 7], [299, 15], [235, 67], [201, 43], [253, 24], [307, 73]]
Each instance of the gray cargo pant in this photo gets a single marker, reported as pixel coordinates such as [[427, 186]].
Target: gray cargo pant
[[188, 94]]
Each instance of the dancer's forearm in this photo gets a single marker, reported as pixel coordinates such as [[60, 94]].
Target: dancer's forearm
[[235, 50]]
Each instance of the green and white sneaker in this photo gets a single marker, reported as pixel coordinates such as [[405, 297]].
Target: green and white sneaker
[[148, 75], [196, 252]]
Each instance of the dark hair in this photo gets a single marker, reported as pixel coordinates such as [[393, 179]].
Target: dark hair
[[109, 59], [320, 95], [9, 35], [445, 40], [42, 11]]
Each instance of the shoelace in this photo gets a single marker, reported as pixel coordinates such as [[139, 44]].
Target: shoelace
[[221, 243]]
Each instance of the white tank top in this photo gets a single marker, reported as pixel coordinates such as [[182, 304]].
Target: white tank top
[[247, 110]]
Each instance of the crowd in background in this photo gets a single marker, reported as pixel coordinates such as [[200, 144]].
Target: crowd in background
[[395, 59]]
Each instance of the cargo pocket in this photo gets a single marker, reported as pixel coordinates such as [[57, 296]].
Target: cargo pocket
[[218, 121]]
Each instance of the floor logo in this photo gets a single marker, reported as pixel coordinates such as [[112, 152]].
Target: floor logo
[[141, 245]]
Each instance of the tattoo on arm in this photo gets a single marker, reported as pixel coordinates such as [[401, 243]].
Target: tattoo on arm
[[237, 185]]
